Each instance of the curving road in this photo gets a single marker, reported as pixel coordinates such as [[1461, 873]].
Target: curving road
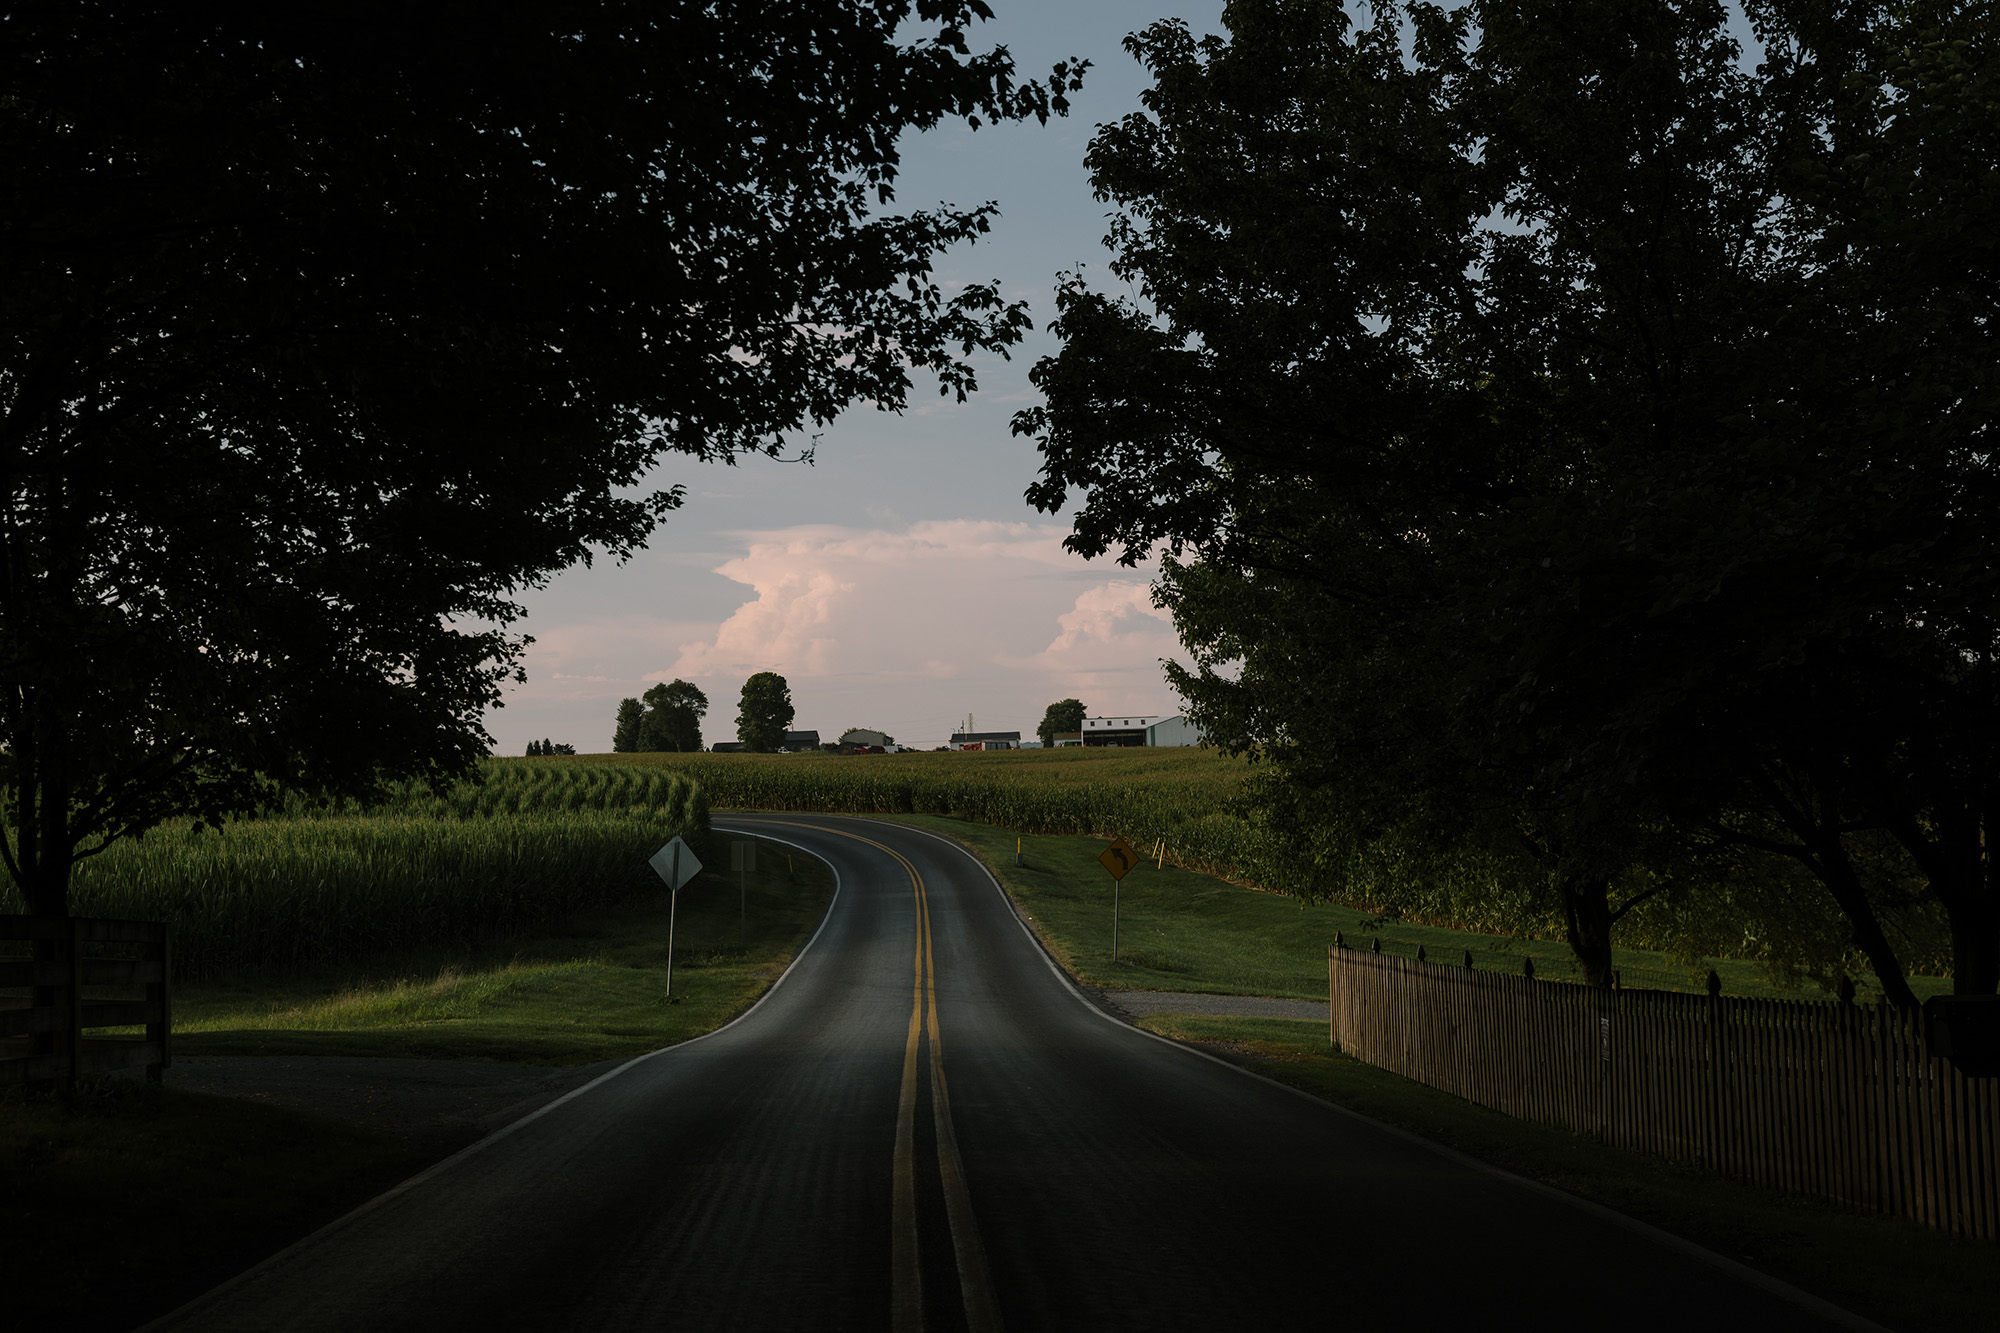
[[924, 1127]]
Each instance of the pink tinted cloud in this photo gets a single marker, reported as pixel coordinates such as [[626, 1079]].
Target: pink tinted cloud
[[906, 629]]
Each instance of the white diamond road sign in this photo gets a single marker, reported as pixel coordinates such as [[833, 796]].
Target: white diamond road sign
[[675, 863]]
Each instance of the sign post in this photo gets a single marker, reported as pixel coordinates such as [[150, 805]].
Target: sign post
[[743, 860], [676, 864], [1118, 858]]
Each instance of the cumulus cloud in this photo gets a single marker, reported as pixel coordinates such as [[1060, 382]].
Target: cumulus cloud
[[907, 629]]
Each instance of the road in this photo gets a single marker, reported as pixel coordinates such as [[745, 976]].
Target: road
[[924, 1127]]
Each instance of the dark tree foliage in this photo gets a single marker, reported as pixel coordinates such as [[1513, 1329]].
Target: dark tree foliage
[[765, 714], [325, 330], [1576, 449], [1062, 715], [673, 718], [625, 736]]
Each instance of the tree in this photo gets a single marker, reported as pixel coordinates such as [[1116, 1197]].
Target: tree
[[1574, 449], [765, 714], [625, 737], [318, 347], [673, 718], [1062, 715]]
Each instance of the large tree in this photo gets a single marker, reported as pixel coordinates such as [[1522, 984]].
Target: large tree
[[1062, 715], [673, 717], [325, 330], [1575, 447], [765, 712], [625, 732]]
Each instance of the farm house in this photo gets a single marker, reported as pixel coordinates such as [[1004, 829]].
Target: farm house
[[985, 740]]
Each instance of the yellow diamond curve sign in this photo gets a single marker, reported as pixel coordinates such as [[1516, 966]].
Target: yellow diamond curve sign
[[1119, 858]]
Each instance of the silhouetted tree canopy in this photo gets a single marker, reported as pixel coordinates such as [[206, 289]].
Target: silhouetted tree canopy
[[1574, 447], [673, 717], [1062, 715], [325, 330], [765, 712], [625, 734]]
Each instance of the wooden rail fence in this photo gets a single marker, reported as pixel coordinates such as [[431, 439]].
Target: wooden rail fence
[[52, 988], [1830, 1099]]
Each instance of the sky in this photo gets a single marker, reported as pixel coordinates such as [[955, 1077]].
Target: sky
[[901, 582]]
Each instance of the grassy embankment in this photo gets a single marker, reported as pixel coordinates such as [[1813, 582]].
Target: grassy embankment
[[591, 988], [1180, 930], [128, 1199], [518, 933], [1185, 932], [1179, 800]]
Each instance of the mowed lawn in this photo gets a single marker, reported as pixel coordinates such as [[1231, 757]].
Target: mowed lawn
[[1180, 930]]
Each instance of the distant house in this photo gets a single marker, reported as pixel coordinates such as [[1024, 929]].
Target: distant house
[[727, 747], [985, 740], [800, 740], [1128, 729], [863, 736], [1173, 731]]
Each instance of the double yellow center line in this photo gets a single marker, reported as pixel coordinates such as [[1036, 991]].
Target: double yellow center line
[[975, 1282]]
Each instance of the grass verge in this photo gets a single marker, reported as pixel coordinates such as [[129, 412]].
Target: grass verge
[[593, 989], [133, 1199], [1898, 1271], [1218, 938], [1180, 930]]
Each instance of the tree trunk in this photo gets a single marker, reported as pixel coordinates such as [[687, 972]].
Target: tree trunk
[[1975, 949], [1822, 853], [1586, 904], [1837, 873], [1952, 853]]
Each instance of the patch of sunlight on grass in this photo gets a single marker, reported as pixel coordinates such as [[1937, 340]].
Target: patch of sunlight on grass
[[451, 994]]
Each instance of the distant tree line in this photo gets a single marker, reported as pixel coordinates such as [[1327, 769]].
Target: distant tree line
[[667, 718]]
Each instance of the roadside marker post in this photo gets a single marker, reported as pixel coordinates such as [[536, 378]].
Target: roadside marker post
[[743, 860], [1118, 858], [676, 864]]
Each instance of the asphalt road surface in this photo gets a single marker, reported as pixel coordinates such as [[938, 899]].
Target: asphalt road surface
[[924, 1127]]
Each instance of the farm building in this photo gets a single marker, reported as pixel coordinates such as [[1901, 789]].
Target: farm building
[[863, 736], [800, 740], [1173, 731], [985, 740], [1126, 730]]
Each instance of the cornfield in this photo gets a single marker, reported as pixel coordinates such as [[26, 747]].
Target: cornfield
[[507, 857], [1178, 798]]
